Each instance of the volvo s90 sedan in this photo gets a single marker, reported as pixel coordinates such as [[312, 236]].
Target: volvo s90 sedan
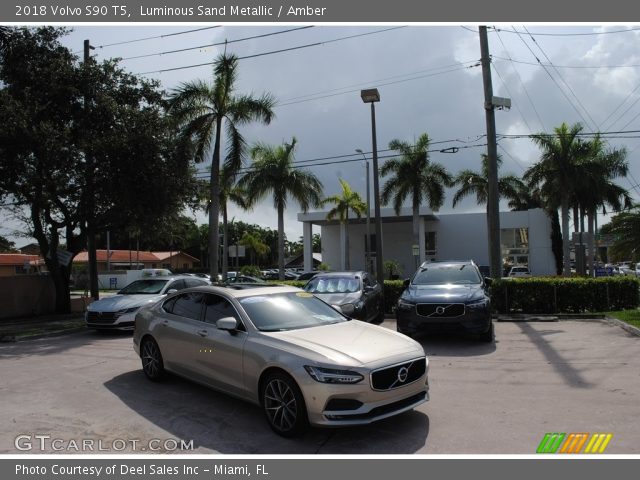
[[282, 348], [446, 296], [118, 311], [357, 294]]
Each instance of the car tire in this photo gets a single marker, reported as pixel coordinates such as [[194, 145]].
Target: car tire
[[152, 363], [488, 336], [283, 405]]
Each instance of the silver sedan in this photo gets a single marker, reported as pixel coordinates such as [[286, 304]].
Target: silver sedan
[[282, 348]]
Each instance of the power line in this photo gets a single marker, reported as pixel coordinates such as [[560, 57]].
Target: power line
[[158, 36], [512, 157], [493, 66], [618, 107], [168, 52], [541, 64], [299, 47], [546, 34], [562, 78]]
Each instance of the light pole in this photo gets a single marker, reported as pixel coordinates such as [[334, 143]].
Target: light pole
[[372, 96], [367, 255]]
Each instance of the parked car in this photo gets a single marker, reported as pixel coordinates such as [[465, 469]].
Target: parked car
[[275, 275], [357, 294], [446, 296], [118, 311], [282, 348], [307, 275], [244, 279], [519, 271]]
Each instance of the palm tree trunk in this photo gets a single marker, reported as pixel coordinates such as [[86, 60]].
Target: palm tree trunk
[[225, 242], [416, 229], [347, 263], [214, 211], [564, 212], [590, 246], [280, 241]]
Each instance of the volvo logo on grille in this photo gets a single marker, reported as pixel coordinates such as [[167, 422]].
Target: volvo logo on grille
[[403, 373], [440, 310]]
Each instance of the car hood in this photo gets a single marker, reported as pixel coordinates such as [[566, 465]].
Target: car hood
[[122, 302], [351, 343], [443, 293], [339, 298]]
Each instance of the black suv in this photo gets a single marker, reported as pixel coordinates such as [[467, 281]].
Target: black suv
[[446, 296]]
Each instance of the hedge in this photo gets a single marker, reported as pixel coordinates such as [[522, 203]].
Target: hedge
[[564, 295], [543, 295]]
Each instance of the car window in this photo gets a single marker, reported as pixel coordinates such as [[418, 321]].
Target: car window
[[176, 285], [144, 287], [333, 285], [193, 282], [446, 274], [218, 307], [289, 311], [188, 305]]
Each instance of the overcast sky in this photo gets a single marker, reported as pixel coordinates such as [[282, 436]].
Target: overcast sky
[[429, 81]]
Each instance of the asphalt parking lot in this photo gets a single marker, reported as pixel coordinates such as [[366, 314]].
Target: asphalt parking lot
[[539, 377]]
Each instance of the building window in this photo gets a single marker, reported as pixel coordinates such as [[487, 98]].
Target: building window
[[185, 266], [514, 244], [20, 270], [430, 243]]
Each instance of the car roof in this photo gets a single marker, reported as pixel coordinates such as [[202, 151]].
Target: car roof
[[448, 262], [248, 292]]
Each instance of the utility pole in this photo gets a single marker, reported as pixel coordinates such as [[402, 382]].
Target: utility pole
[[91, 234], [493, 207]]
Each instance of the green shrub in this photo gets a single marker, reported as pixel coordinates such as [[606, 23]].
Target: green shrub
[[392, 291], [291, 283], [250, 270], [564, 295]]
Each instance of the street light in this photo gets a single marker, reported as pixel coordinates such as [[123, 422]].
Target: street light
[[367, 255], [372, 96]]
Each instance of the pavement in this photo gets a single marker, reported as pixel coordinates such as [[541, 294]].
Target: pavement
[[501, 398]]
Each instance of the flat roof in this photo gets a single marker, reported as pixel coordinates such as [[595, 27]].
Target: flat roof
[[387, 214]]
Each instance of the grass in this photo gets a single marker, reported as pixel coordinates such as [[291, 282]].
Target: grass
[[632, 317]]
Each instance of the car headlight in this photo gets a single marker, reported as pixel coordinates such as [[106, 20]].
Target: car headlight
[[478, 303], [128, 310], [404, 305], [330, 375]]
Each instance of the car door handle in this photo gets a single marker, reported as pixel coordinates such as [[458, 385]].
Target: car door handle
[[202, 333]]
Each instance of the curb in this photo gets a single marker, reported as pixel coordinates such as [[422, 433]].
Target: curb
[[548, 317], [625, 326], [38, 336]]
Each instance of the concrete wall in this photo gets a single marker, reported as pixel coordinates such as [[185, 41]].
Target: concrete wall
[[26, 295], [460, 236]]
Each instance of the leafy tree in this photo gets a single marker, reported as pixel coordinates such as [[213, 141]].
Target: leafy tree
[[416, 178], [557, 172], [273, 173], [58, 114], [201, 108], [345, 201], [257, 247], [477, 183], [625, 227], [6, 245]]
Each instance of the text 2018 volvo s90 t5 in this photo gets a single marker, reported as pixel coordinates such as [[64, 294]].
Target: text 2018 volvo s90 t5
[[282, 348]]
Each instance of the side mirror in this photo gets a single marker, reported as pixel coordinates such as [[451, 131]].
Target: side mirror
[[368, 289], [488, 281], [406, 283], [171, 290], [227, 323]]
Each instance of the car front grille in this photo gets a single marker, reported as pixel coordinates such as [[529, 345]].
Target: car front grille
[[398, 376], [440, 310], [102, 317]]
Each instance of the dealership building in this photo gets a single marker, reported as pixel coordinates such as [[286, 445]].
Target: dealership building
[[525, 239]]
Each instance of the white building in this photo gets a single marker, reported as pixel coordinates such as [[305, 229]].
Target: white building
[[525, 239]]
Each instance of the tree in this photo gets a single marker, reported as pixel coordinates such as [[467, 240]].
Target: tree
[[6, 245], [345, 201], [477, 183], [200, 109], [273, 172], [625, 227], [56, 113], [557, 172], [255, 244], [415, 178]]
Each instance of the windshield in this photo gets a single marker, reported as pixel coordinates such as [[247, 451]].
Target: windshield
[[289, 311], [446, 274], [333, 285], [144, 286]]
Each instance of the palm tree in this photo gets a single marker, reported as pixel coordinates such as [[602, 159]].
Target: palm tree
[[477, 183], [597, 186], [416, 178], [557, 172], [254, 243], [200, 108], [273, 173], [347, 200], [625, 227]]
